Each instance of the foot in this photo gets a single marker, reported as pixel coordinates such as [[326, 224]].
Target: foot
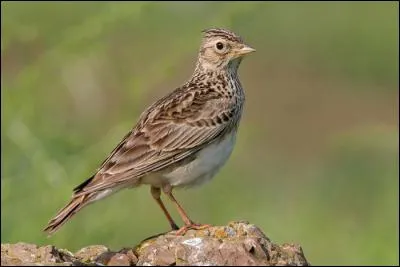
[[174, 226], [195, 226]]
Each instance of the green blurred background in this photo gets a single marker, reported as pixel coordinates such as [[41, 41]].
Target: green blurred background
[[317, 150]]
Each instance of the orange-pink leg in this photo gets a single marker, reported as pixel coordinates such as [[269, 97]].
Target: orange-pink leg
[[189, 224], [156, 193]]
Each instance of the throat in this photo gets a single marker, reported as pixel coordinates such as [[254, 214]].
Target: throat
[[233, 65], [222, 68]]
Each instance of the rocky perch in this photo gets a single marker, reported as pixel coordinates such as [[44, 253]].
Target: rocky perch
[[238, 243]]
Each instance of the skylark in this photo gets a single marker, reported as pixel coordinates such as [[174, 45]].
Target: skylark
[[181, 140]]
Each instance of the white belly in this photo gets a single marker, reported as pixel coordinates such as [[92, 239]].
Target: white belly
[[205, 166]]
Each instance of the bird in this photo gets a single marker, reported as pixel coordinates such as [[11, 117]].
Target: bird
[[181, 140]]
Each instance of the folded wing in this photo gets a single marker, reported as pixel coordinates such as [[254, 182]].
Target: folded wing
[[171, 130]]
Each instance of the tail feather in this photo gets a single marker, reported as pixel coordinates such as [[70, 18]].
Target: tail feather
[[66, 213], [80, 187]]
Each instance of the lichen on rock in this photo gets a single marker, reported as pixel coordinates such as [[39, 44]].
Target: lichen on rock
[[238, 243]]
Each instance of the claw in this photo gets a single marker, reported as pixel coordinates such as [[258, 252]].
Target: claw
[[195, 226]]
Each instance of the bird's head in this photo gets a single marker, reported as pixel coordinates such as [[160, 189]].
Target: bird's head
[[221, 49]]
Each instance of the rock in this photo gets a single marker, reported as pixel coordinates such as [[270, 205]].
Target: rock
[[119, 259], [238, 243], [91, 253], [30, 254]]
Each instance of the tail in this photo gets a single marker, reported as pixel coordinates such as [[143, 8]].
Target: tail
[[66, 213]]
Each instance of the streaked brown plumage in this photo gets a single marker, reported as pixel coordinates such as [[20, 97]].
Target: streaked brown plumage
[[182, 139]]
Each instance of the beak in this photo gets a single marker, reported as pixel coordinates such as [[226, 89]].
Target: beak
[[246, 50]]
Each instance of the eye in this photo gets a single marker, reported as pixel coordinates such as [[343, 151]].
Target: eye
[[219, 46]]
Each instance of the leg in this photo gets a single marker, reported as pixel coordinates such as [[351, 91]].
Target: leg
[[156, 192], [189, 224]]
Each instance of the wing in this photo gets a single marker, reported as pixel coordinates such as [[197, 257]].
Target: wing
[[171, 130]]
